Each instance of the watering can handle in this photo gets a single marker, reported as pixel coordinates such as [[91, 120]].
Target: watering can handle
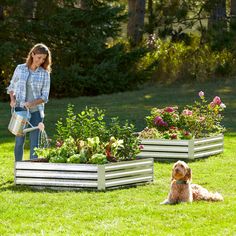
[[40, 126], [13, 109], [29, 129]]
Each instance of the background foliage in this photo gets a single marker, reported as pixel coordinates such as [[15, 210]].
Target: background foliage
[[83, 63], [93, 53]]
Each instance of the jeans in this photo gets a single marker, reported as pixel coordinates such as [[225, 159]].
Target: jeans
[[33, 137]]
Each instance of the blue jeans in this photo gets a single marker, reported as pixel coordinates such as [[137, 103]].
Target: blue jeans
[[33, 137]]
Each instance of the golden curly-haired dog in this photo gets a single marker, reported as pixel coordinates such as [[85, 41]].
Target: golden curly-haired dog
[[181, 189]]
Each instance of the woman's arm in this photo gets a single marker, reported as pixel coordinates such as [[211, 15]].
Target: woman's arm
[[33, 103], [11, 88]]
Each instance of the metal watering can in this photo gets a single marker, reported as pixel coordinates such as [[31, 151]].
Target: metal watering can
[[19, 120]]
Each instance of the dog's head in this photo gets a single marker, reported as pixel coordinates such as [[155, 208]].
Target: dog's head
[[181, 171]]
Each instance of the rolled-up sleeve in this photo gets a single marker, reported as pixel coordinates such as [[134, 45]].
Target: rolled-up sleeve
[[46, 88], [13, 82]]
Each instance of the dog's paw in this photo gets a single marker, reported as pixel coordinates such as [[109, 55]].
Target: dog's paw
[[166, 202]]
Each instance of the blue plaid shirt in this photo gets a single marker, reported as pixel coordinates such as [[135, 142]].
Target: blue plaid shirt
[[40, 85]]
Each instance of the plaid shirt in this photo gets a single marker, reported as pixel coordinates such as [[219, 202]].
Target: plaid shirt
[[40, 85]]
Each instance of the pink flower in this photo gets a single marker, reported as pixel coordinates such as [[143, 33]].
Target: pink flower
[[141, 147], [59, 143], [169, 109], [187, 112], [157, 120], [201, 118], [201, 94], [163, 123], [217, 100], [212, 104], [186, 133]]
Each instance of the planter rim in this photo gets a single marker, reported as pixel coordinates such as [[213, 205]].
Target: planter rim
[[82, 164], [183, 140]]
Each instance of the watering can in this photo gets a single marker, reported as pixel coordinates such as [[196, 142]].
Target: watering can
[[19, 120]]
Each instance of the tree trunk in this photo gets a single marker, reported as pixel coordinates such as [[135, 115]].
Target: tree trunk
[[233, 15], [218, 16], [136, 9], [150, 27], [233, 7], [1, 13], [29, 8]]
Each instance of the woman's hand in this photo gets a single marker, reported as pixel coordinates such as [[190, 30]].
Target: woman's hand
[[41, 126], [34, 103], [29, 105], [12, 99], [13, 103]]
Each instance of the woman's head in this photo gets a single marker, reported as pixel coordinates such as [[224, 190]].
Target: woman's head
[[41, 55]]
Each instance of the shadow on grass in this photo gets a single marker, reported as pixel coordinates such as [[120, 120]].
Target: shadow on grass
[[10, 186]]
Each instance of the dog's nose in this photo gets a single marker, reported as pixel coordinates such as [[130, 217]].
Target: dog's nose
[[177, 170]]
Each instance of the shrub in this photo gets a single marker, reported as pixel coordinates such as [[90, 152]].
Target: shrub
[[170, 61]]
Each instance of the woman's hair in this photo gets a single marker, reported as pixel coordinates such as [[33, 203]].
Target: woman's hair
[[40, 48]]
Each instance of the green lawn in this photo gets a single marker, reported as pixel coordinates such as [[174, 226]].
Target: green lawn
[[131, 211]]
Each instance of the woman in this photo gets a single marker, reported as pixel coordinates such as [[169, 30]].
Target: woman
[[29, 89]]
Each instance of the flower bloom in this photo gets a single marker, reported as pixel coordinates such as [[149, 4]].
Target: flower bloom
[[201, 118], [141, 147], [157, 120], [201, 94], [217, 100], [212, 104], [59, 143], [187, 112], [186, 133], [163, 123], [169, 109], [160, 122], [222, 105]]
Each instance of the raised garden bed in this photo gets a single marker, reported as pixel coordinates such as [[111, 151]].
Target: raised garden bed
[[181, 149], [80, 176]]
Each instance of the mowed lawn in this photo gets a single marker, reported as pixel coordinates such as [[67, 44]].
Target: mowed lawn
[[129, 211]]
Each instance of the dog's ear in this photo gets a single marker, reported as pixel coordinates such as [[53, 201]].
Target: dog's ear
[[188, 175], [172, 172]]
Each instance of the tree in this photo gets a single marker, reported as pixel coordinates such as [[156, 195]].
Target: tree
[[217, 17], [83, 61], [1, 13], [136, 10], [233, 15], [151, 19]]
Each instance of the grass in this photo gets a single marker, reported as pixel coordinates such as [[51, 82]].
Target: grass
[[131, 211]]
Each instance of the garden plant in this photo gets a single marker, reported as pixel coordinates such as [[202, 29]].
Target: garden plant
[[87, 138], [200, 120]]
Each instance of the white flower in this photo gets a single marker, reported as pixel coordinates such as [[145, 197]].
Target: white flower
[[222, 105]]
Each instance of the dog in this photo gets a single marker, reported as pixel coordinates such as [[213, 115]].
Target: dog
[[182, 190]]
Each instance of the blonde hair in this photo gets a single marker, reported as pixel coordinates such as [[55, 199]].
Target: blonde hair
[[40, 48]]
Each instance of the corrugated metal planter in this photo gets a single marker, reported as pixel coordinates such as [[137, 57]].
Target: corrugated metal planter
[[182, 149], [89, 176]]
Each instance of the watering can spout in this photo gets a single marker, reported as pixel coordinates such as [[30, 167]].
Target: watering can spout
[[40, 127]]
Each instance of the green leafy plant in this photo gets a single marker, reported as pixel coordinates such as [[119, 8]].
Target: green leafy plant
[[202, 119], [87, 138]]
